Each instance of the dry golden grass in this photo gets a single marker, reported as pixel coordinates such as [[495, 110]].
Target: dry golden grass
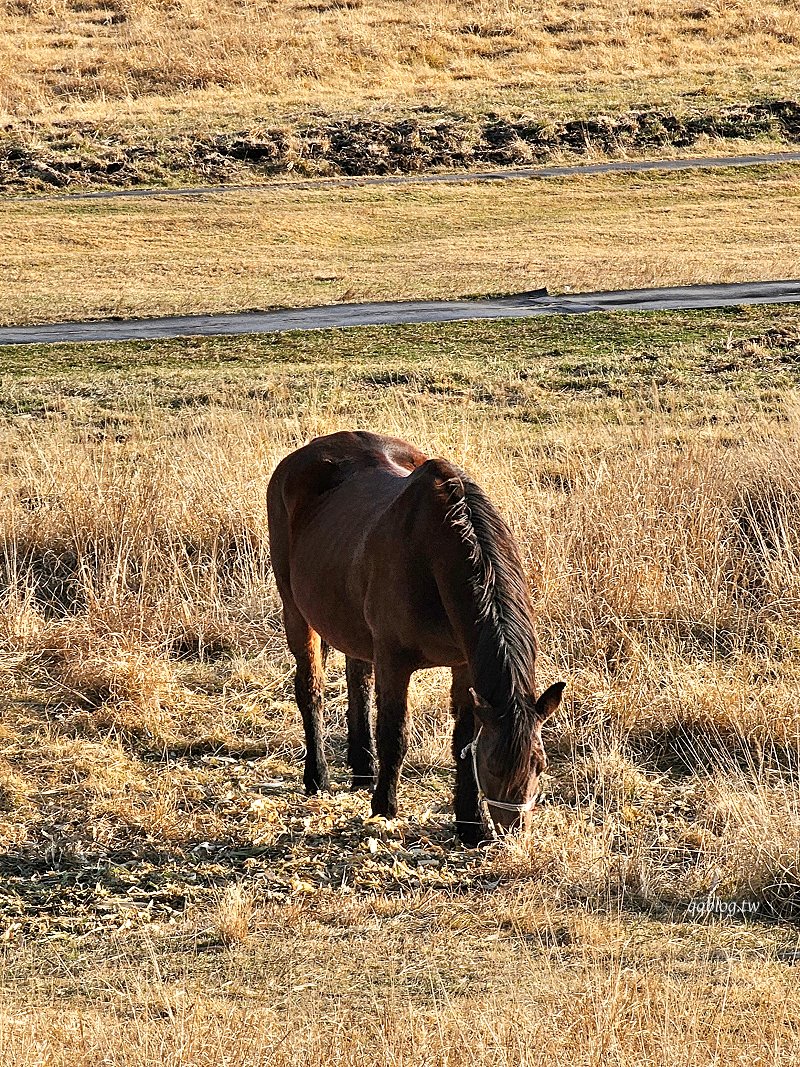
[[576, 992], [172, 256], [167, 890], [214, 62]]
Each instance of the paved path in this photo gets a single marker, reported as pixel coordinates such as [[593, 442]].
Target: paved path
[[522, 306], [619, 166]]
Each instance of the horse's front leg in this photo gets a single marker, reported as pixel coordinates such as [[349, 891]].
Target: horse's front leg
[[469, 824], [360, 744], [392, 676]]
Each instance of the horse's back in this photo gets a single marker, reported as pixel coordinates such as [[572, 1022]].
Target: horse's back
[[326, 461], [322, 501]]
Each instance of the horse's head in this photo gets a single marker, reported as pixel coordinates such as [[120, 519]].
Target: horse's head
[[508, 759]]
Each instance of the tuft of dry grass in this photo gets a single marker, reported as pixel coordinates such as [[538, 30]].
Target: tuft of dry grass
[[232, 921]]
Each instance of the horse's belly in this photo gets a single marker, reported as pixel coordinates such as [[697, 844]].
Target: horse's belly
[[440, 652], [359, 581], [353, 640], [322, 596]]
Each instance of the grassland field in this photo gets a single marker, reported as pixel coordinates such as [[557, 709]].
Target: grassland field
[[126, 92], [168, 893], [66, 259]]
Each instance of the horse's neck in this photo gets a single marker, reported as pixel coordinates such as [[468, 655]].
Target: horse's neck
[[489, 665], [481, 636], [482, 585]]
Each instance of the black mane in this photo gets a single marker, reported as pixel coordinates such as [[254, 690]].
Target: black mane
[[504, 663]]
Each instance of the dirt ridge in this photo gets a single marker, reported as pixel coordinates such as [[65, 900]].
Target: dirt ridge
[[83, 156]]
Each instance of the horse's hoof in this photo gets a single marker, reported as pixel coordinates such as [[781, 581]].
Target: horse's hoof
[[317, 785], [362, 782], [384, 808], [470, 835]]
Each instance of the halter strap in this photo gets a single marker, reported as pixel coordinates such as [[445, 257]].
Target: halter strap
[[502, 804]]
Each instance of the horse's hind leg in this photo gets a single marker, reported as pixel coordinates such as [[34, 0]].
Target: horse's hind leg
[[469, 825], [309, 686], [360, 745]]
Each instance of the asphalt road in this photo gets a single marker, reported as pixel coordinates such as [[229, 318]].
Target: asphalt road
[[520, 306], [617, 166]]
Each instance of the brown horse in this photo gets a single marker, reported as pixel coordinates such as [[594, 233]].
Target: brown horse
[[401, 562]]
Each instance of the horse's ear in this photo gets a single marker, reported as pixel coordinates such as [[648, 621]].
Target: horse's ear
[[483, 709], [548, 702]]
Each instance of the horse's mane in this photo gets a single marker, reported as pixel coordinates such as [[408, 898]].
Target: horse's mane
[[505, 658]]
